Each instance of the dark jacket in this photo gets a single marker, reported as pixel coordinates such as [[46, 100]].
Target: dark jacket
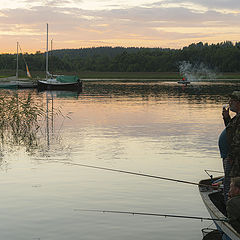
[[233, 212], [233, 139]]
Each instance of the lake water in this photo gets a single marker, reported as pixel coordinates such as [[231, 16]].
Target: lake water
[[157, 128]]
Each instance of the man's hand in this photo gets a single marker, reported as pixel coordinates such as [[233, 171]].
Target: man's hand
[[225, 113]]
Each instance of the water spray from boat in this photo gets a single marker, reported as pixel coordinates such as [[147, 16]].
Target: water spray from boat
[[195, 72]]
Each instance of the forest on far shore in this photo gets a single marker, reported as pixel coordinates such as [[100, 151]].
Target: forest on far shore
[[220, 57]]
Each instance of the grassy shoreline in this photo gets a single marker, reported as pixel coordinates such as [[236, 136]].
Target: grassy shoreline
[[119, 75]]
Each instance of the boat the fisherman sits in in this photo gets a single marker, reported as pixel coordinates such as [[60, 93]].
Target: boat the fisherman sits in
[[58, 82], [214, 202]]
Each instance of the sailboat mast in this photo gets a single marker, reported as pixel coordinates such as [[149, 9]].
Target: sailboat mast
[[17, 63], [47, 55]]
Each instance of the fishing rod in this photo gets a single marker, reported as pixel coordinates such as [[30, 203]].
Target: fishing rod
[[135, 173], [153, 214]]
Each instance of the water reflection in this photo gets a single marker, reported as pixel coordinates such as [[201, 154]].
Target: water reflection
[[198, 91], [27, 120], [53, 122], [156, 128]]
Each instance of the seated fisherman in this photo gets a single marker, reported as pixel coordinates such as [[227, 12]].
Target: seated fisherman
[[233, 204]]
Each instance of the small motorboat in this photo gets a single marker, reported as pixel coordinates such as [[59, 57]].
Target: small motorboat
[[213, 199], [184, 81]]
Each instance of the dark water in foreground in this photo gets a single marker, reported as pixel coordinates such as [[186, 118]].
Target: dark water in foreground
[[156, 128]]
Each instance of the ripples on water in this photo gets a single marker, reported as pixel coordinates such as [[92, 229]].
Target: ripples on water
[[157, 128]]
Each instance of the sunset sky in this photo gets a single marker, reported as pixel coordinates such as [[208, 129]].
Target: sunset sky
[[127, 23]]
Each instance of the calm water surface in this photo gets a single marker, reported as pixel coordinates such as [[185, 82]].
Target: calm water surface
[[156, 128]]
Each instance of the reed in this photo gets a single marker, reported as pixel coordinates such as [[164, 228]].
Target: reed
[[19, 119]]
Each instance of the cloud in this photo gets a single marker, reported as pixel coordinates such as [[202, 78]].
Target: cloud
[[51, 2], [152, 23], [210, 5], [219, 4]]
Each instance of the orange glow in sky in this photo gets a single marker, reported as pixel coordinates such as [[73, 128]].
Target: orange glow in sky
[[132, 23]]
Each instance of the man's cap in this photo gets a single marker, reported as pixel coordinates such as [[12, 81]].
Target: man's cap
[[235, 95]]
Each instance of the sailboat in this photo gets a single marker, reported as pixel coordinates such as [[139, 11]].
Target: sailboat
[[58, 82], [14, 82]]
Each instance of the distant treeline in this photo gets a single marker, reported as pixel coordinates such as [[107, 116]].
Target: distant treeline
[[222, 57]]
